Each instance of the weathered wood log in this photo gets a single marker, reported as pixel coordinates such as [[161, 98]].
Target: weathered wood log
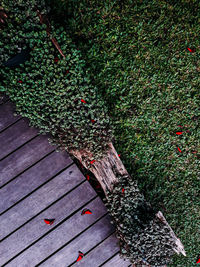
[[105, 171]]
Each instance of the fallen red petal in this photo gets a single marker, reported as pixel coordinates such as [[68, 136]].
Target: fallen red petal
[[47, 221], [179, 133], [88, 177], [83, 101], [191, 50], [179, 149], [92, 161], [86, 211], [119, 155], [79, 258], [122, 190], [198, 261]]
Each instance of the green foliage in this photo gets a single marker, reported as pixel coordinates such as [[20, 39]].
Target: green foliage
[[137, 55], [47, 95], [137, 58], [142, 236]]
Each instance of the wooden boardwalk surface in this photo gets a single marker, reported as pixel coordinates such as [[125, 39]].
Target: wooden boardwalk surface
[[36, 183]]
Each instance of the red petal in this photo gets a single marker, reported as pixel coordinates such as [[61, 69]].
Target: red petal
[[83, 101], [191, 50], [79, 258], [92, 161], [179, 149], [179, 133], [198, 261], [122, 190], [119, 155], [92, 121], [49, 221], [88, 177], [88, 212]]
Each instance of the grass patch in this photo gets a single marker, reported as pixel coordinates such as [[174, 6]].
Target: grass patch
[[137, 56]]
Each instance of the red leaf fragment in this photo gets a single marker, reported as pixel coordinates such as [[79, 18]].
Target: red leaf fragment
[[198, 261], [179, 149], [92, 161], [191, 50], [80, 256], [179, 133], [49, 221], [86, 211], [83, 101]]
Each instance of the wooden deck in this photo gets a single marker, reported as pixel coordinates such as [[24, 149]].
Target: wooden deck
[[36, 183]]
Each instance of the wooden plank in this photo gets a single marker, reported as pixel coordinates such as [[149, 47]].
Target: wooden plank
[[15, 136], [117, 262], [43, 171], [6, 115], [3, 98], [23, 158], [101, 253], [64, 233], [39, 200], [36, 228], [86, 241]]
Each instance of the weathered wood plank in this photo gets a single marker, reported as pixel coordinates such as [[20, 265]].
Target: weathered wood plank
[[23, 158], [33, 178], [116, 261], [86, 241], [39, 200], [6, 115], [101, 253], [65, 232], [15, 136], [3, 98], [60, 210]]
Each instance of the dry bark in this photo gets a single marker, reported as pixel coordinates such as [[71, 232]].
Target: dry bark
[[105, 171]]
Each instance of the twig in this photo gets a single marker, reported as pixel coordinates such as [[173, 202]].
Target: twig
[[44, 20]]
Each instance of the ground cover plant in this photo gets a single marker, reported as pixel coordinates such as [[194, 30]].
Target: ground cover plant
[[55, 98], [138, 56], [51, 91]]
